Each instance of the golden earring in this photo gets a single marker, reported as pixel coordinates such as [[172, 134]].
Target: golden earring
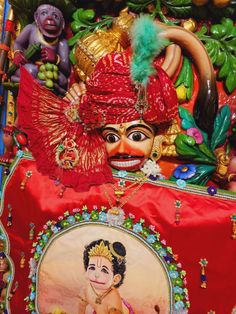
[[157, 147]]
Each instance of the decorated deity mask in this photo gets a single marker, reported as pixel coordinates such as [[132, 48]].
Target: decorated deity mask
[[128, 144]]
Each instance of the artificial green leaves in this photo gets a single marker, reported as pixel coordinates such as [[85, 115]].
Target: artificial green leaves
[[83, 24], [221, 47], [195, 146]]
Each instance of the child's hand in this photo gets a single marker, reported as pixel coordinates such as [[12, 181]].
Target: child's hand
[[75, 93]]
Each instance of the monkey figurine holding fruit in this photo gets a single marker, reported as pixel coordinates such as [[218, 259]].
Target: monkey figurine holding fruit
[[42, 50]]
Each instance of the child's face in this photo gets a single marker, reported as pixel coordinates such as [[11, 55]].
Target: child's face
[[100, 273]]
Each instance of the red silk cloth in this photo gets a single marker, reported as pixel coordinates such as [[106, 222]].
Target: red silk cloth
[[204, 231], [42, 116]]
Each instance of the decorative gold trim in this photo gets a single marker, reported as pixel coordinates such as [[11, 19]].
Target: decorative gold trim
[[101, 250]]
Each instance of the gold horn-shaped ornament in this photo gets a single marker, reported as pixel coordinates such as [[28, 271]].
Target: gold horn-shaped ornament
[[95, 45]]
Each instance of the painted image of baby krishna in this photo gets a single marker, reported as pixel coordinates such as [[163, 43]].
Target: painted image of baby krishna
[[105, 266]]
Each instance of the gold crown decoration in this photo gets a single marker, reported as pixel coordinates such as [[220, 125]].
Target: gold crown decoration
[[101, 250], [95, 45]]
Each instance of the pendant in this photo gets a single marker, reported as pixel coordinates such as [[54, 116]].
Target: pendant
[[115, 216], [203, 262], [98, 300], [23, 184]]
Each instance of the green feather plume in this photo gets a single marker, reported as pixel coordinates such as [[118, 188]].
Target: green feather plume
[[146, 45]]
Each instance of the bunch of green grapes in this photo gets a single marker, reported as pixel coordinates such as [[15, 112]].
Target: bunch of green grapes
[[48, 72]]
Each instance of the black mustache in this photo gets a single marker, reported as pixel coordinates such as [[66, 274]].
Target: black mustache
[[125, 156]]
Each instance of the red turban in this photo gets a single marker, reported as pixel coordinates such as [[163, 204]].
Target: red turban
[[111, 96]]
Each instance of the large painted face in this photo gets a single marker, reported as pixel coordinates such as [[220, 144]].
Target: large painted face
[[100, 273], [49, 20], [128, 144]]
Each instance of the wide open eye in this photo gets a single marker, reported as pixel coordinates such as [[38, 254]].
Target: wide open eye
[[137, 136], [44, 13], [55, 16], [111, 138]]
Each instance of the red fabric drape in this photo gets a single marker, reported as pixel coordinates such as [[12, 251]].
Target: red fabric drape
[[204, 231]]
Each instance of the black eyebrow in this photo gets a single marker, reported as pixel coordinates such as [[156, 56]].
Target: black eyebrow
[[110, 129], [91, 265], [105, 267], [138, 126]]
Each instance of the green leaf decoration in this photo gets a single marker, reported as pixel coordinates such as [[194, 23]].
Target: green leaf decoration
[[221, 126], [139, 5], [72, 41], [142, 5], [202, 31], [177, 3], [205, 150], [187, 148], [178, 8], [203, 174], [230, 82], [182, 9], [187, 118], [83, 24], [221, 47], [189, 122], [185, 77]]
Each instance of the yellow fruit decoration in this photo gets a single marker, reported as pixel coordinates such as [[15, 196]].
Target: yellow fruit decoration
[[181, 93]]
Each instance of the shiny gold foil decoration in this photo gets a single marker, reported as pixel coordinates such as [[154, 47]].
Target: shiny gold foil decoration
[[222, 163], [190, 25], [168, 146], [95, 45]]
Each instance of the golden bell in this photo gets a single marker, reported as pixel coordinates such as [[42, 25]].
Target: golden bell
[[95, 45], [190, 25]]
